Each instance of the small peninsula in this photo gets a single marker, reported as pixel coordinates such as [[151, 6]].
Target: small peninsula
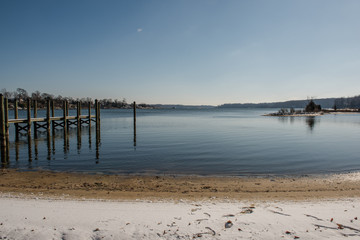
[[311, 109]]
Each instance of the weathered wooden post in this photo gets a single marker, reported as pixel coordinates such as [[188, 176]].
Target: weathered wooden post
[[2, 125], [64, 113], [29, 116], [35, 116], [53, 115], [97, 114], [96, 110], [134, 124], [67, 108], [16, 116], [67, 114], [7, 145], [78, 114], [48, 118], [6, 148], [97, 120], [52, 108], [89, 114], [35, 108], [2, 117], [65, 118], [7, 126]]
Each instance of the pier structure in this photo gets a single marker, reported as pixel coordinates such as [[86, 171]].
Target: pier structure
[[50, 121]]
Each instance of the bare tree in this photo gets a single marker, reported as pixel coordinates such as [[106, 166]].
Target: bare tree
[[22, 94], [36, 95], [47, 96], [5, 93]]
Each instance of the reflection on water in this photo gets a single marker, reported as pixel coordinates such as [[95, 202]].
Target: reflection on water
[[40, 137], [4, 156], [310, 121], [134, 135]]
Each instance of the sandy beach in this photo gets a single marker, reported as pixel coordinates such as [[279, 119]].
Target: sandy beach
[[120, 187], [31, 218], [48, 205]]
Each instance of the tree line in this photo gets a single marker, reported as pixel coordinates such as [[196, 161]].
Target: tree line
[[350, 102], [21, 95], [339, 103]]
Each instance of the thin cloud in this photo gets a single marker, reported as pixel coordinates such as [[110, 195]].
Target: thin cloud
[[139, 30]]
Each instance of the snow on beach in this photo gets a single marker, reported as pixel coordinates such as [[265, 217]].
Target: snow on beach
[[33, 218]]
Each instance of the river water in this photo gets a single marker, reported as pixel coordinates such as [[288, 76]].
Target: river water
[[226, 142]]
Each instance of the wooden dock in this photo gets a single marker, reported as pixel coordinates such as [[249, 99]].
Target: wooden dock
[[24, 125]]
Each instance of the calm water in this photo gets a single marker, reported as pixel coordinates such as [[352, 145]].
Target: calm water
[[202, 142]]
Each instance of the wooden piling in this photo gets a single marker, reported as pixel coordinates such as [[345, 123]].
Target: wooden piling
[[52, 108], [65, 117], [64, 112], [96, 109], [67, 114], [134, 107], [29, 116], [16, 116], [35, 108], [2, 122], [134, 124], [67, 108], [78, 108], [89, 110], [7, 126], [48, 118], [53, 114], [97, 113], [35, 116]]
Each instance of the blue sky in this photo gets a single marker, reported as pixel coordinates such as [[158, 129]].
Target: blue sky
[[186, 52]]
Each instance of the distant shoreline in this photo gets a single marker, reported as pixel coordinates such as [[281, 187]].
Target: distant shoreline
[[323, 112]]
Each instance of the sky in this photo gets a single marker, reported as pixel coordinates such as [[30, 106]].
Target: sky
[[189, 52]]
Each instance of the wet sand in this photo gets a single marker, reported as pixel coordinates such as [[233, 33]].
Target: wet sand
[[119, 187]]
